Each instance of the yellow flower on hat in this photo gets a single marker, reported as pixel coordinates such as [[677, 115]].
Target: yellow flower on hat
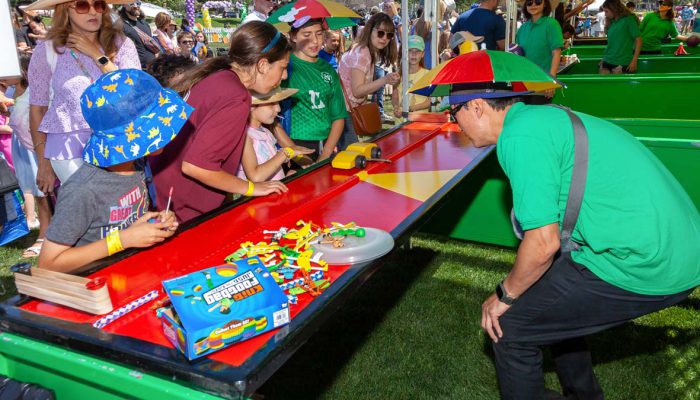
[[101, 101], [162, 100], [110, 88], [153, 133], [120, 150], [165, 120]]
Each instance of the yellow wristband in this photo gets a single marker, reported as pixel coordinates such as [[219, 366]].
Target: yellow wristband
[[250, 189], [289, 152], [114, 242]]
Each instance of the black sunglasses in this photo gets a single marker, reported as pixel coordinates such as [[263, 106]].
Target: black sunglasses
[[380, 34], [455, 110], [83, 6], [531, 2]]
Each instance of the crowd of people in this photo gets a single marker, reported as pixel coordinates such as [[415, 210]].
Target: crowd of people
[[323, 75], [140, 130]]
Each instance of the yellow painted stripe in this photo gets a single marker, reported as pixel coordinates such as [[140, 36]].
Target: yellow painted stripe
[[416, 185]]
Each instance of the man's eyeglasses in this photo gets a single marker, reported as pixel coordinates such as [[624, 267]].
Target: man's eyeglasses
[[135, 4], [389, 35], [529, 3], [187, 42], [83, 6], [455, 110]]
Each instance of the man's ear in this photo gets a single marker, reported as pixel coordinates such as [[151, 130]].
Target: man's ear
[[478, 106]]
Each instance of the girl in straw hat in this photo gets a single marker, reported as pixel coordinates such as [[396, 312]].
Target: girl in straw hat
[[81, 45]]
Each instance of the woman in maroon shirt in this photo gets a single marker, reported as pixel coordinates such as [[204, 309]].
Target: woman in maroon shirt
[[201, 163]]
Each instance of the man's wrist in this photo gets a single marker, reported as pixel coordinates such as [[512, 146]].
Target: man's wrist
[[503, 295]]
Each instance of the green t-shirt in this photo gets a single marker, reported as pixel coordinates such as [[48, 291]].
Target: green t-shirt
[[653, 29], [319, 100], [638, 228], [621, 35], [539, 39]]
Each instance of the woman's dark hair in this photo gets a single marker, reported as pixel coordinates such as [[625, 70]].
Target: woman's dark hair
[[546, 11], [166, 66], [247, 45], [24, 69], [618, 11], [389, 54], [669, 14]]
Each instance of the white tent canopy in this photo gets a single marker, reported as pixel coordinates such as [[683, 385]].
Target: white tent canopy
[[151, 10]]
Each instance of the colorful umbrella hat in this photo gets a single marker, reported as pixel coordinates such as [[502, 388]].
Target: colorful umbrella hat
[[335, 15], [485, 69]]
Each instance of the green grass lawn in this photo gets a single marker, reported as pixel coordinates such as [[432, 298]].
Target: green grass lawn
[[413, 331]]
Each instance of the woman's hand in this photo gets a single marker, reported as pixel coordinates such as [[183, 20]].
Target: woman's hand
[[392, 78], [82, 44], [265, 188], [45, 176], [145, 234], [632, 67]]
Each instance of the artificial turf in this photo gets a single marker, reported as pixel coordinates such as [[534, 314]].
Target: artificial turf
[[412, 332]]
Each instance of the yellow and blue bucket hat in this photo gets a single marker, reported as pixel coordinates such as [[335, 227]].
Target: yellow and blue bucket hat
[[131, 116]]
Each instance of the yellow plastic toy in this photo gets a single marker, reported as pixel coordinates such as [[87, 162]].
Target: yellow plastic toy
[[369, 150], [349, 160]]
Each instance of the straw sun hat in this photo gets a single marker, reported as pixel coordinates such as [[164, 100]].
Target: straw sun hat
[[50, 4]]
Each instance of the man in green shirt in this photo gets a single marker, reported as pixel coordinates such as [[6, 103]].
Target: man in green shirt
[[637, 232], [318, 108]]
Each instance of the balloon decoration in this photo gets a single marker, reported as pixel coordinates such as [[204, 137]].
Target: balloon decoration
[[189, 11], [206, 18]]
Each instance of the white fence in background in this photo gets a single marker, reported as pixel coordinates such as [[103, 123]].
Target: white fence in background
[[218, 35]]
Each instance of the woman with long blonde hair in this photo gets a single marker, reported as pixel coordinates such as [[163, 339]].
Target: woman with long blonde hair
[[82, 44]]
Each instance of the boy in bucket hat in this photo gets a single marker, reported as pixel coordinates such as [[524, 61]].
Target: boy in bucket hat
[[103, 208]]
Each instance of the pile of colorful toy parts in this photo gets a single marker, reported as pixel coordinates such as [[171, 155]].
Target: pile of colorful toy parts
[[291, 259]]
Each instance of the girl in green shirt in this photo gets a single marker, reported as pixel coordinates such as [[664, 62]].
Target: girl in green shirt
[[540, 36], [657, 26], [624, 40]]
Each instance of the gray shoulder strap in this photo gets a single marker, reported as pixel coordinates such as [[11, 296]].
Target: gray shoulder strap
[[578, 181]]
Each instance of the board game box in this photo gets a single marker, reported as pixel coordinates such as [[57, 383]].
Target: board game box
[[219, 306]]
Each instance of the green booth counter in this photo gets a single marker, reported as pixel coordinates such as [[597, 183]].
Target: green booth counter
[[596, 51], [479, 209], [645, 65], [654, 96]]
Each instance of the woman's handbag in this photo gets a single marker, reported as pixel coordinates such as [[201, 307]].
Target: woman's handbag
[[365, 117]]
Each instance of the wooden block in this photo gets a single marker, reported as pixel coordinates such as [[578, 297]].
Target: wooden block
[[65, 289]]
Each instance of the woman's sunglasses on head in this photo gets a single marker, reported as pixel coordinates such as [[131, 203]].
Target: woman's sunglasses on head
[[83, 6], [380, 34], [529, 3]]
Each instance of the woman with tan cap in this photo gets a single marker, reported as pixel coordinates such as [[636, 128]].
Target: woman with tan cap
[[165, 28], [81, 45]]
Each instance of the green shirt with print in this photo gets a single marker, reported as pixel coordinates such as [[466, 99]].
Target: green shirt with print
[[539, 39], [638, 228], [319, 100], [621, 36], [653, 28]]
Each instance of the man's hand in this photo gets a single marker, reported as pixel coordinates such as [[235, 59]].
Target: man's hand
[[491, 310], [632, 67]]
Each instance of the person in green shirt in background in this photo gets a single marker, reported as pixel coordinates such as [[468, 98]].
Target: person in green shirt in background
[[657, 26], [318, 110], [637, 235], [624, 40], [540, 36]]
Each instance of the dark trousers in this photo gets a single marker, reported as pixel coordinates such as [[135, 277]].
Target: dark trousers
[[568, 303]]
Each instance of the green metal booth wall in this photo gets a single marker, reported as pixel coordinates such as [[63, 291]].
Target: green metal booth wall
[[479, 208], [645, 65], [653, 96], [597, 50]]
